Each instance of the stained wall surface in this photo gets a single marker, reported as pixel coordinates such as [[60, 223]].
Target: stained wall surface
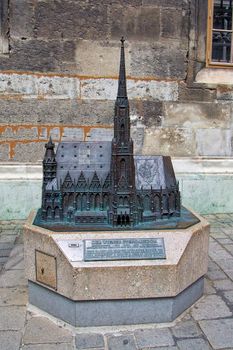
[[59, 63], [59, 77]]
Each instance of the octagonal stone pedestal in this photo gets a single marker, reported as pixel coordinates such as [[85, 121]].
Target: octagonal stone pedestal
[[122, 292]]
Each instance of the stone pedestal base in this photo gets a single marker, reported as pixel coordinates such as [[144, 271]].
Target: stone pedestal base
[[114, 312], [115, 292]]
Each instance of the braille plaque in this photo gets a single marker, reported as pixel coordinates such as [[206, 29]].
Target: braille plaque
[[124, 249]]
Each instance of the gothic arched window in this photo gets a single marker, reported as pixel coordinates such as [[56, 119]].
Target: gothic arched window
[[97, 201], [56, 213], [126, 201], [147, 203], [157, 203]]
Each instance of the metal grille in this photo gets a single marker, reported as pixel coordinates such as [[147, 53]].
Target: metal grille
[[222, 31]]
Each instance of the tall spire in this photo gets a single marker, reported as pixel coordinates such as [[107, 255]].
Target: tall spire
[[49, 153], [50, 144], [122, 90]]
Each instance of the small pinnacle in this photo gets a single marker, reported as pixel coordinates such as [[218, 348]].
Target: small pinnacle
[[50, 143]]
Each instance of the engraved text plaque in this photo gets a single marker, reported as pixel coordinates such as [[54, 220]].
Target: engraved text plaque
[[124, 249]]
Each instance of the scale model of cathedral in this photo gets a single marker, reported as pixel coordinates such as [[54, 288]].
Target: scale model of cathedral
[[103, 183]]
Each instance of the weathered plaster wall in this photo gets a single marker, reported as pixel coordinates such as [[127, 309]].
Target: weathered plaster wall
[[59, 78]]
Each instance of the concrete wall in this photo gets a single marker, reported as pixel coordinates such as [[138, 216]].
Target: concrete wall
[[59, 78]]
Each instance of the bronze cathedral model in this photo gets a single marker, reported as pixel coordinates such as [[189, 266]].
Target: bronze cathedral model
[[103, 183]]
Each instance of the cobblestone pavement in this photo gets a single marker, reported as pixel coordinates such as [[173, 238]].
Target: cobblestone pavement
[[207, 325]]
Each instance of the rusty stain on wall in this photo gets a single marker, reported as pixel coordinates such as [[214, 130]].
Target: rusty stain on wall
[[84, 77], [40, 129]]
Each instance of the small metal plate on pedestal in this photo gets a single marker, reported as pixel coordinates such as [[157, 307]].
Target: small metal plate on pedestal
[[46, 269], [73, 249], [124, 249]]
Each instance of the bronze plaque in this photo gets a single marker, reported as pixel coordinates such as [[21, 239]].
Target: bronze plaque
[[46, 269], [124, 249]]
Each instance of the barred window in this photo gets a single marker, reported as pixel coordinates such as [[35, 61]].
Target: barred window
[[4, 26], [220, 36]]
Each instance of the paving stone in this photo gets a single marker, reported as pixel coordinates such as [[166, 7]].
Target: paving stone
[[89, 340], [215, 223], [223, 284], [153, 337], [18, 249], [211, 216], [6, 245], [188, 329], [7, 238], [218, 234], [218, 332], [229, 248], [163, 348], [216, 275], [212, 266], [229, 296], [10, 340], [228, 231], [218, 253], [208, 288], [12, 318], [3, 260], [209, 307], [121, 342], [229, 274], [56, 346], [12, 278], [222, 216], [15, 262], [5, 252], [193, 344], [41, 330], [225, 241], [17, 296], [225, 264]]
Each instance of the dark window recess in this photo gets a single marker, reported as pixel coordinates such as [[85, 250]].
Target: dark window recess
[[4, 26]]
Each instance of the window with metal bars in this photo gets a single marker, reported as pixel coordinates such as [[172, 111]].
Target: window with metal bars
[[220, 36], [4, 26]]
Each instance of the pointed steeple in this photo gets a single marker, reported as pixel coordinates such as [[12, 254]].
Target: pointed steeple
[[121, 118], [122, 89], [49, 162], [49, 153], [50, 144]]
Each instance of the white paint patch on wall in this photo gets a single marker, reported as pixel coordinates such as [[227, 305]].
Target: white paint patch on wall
[[106, 89], [213, 76], [214, 141], [48, 87], [156, 90], [32, 86], [99, 89]]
